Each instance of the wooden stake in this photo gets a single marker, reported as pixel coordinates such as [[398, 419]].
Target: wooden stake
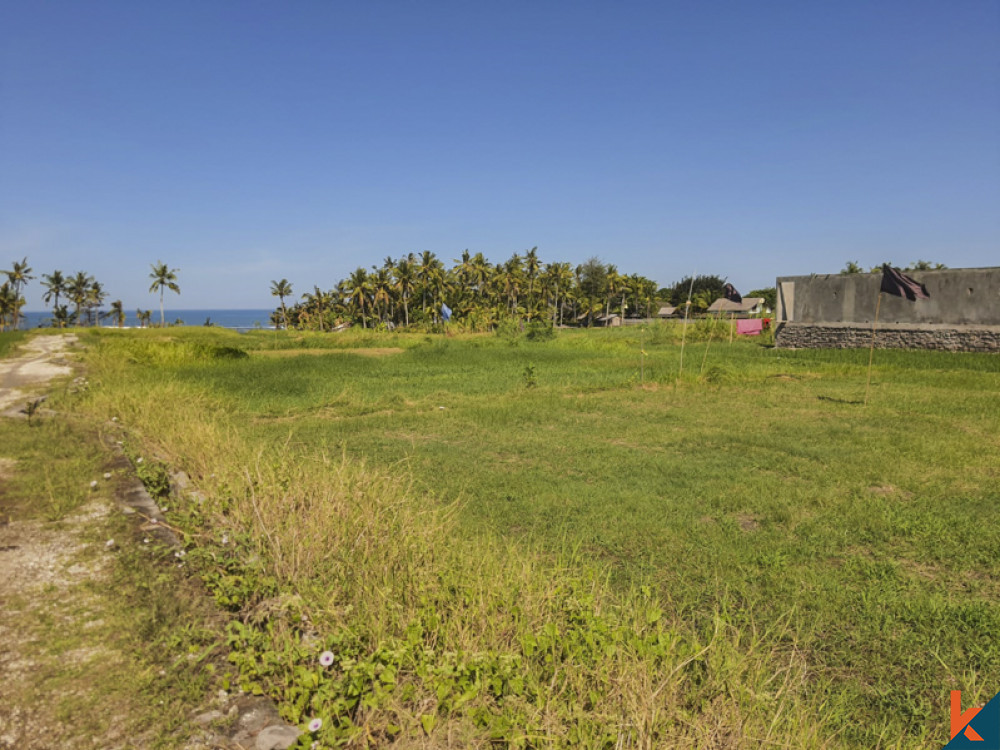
[[642, 357], [687, 309], [732, 325], [711, 332], [871, 350]]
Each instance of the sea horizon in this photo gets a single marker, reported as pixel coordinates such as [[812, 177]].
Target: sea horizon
[[233, 318]]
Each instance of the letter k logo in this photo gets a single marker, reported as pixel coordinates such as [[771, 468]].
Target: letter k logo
[[960, 721]]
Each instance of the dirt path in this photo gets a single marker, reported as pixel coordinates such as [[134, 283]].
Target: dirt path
[[41, 361], [68, 677], [44, 573]]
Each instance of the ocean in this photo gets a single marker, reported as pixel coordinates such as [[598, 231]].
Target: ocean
[[241, 320]]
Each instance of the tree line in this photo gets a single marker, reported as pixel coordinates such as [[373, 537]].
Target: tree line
[[82, 291], [417, 289]]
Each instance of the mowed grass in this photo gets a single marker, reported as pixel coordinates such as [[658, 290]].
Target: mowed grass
[[756, 485]]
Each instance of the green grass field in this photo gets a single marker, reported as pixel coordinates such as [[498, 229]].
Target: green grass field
[[756, 490]]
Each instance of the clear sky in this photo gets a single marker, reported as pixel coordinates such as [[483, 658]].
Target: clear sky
[[243, 142]]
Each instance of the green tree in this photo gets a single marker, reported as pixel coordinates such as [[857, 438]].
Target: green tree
[[117, 313], [315, 306], [55, 287], [61, 316], [94, 299], [8, 305], [382, 292], [357, 289], [282, 289], [852, 267], [404, 276], [78, 289], [19, 275], [712, 287], [163, 278], [532, 267]]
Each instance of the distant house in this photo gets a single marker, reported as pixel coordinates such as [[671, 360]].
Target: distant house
[[749, 306], [666, 312], [609, 321]]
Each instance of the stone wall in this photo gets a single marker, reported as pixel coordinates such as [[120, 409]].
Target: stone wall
[[890, 336]]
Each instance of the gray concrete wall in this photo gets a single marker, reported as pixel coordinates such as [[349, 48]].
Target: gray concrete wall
[[962, 297], [837, 311]]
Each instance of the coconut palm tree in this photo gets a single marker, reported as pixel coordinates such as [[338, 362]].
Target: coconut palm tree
[[314, 308], [405, 277], [512, 278], [382, 288], [561, 279], [61, 316], [429, 273], [95, 298], [8, 302], [143, 316], [19, 276], [531, 268], [117, 313], [282, 289], [163, 278], [55, 287], [77, 289], [357, 290]]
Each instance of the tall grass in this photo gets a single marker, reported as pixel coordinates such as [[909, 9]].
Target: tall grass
[[469, 639], [9, 341], [713, 560]]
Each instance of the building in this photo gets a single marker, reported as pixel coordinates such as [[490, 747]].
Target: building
[[838, 311], [749, 306]]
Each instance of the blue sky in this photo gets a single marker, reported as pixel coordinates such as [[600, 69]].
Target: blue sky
[[244, 142]]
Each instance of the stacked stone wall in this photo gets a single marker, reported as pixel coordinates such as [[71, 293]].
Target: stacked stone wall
[[845, 336]]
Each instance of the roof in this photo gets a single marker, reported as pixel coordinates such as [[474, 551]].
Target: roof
[[724, 305], [667, 310]]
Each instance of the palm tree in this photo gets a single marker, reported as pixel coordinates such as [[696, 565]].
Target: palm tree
[[95, 298], [143, 317], [381, 286], [19, 276], [8, 301], [531, 268], [61, 316], [512, 277], [282, 289], [117, 313], [163, 278], [428, 273], [55, 286], [77, 289], [316, 305], [357, 289], [405, 279]]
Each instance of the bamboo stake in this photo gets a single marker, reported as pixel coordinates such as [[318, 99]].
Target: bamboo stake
[[871, 350], [642, 357], [711, 333], [732, 325], [687, 309]]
